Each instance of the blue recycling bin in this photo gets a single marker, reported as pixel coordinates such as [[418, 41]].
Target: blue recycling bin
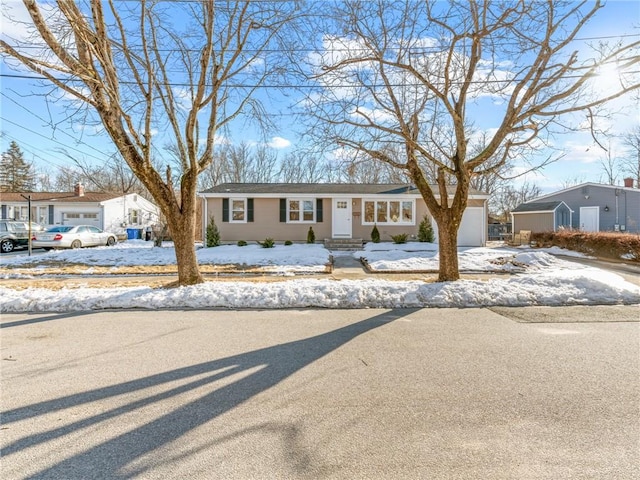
[[134, 233]]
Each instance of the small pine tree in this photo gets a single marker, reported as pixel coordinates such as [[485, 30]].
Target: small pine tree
[[311, 236], [375, 234], [213, 234], [425, 231]]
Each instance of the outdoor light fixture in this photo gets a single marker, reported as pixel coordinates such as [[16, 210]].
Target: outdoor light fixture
[[606, 208]]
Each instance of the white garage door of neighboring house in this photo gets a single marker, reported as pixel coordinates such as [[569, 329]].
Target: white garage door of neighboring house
[[73, 218], [472, 228], [589, 219]]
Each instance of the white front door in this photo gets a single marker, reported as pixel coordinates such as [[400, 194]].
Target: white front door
[[341, 214], [589, 219]]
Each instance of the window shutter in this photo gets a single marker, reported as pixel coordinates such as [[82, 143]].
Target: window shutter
[[225, 209], [249, 209], [51, 221], [318, 210], [283, 210]]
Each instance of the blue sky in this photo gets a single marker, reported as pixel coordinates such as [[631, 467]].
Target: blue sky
[[26, 117]]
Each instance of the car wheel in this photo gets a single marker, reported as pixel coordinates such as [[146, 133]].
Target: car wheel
[[76, 244], [111, 241], [7, 246]]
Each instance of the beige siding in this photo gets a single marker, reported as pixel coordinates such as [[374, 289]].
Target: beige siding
[[267, 222], [536, 222]]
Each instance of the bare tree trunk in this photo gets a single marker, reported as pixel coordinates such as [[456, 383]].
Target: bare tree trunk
[[447, 248], [182, 233]]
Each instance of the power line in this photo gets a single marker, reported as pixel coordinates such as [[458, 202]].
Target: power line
[[49, 139]]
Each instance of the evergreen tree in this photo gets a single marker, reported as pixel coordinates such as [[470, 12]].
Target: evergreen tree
[[16, 175], [213, 234], [425, 231]]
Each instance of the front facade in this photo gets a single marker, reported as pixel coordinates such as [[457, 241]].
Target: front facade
[[106, 211], [250, 212], [595, 208]]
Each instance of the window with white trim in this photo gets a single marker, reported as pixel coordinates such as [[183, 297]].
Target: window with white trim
[[301, 210], [389, 212], [238, 210]]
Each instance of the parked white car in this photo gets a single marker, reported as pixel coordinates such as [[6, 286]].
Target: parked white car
[[72, 236]]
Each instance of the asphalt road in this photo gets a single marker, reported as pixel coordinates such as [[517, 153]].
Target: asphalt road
[[537, 393]]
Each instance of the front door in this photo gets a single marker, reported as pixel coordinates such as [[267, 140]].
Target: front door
[[341, 214], [589, 219]]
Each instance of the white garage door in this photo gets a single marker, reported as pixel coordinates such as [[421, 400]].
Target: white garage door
[[472, 228], [75, 218]]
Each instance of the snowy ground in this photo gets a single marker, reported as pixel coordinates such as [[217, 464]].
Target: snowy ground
[[536, 278]]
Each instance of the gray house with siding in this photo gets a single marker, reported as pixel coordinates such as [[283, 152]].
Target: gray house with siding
[[593, 208]]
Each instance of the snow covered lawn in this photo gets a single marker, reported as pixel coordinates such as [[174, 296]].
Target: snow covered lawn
[[281, 259], [541, 279]]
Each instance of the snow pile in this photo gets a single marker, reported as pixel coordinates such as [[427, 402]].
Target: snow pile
[[545, 280]]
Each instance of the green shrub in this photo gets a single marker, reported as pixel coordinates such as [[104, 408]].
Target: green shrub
[[212, 234], [400, 238], [375, 234], [288, 242], [241, 243], [268, 243], [311, 236], [425, 231]]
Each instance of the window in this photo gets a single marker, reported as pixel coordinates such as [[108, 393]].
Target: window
[[95, 215], [238, 209], [134, 217], [72, 215], [300, 211], [389, 212]]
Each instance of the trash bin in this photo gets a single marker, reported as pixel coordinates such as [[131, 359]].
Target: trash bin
[[147, 234], [134, 233]]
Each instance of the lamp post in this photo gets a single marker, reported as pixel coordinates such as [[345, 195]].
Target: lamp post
[[28, 198]]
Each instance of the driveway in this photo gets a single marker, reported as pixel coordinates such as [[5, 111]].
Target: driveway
[[314, 394]]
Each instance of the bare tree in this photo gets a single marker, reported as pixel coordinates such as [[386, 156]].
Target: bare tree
[[407, 74], [610, 165], [185, 69], [508, 197], [631, 163]]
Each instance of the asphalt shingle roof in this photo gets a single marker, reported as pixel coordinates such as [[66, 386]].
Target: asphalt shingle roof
[[318, 188], [59, 197], [536, 207]]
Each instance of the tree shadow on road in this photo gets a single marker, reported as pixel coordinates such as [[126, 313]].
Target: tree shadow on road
[[262, 369]]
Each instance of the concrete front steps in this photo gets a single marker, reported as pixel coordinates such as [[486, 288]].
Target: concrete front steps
[[343, 244]]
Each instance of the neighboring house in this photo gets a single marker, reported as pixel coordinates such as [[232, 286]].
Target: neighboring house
[[108, 211], [590, 207], [285, 211]]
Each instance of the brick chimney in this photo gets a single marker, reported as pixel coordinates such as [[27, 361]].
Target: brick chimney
[[628, 182], [79, 190]]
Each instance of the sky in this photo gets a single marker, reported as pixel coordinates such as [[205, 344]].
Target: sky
[[26, 117], [525, 277]]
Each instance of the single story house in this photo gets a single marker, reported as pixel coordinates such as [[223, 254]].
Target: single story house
[[593, 208], [108, 211], [285, 211]]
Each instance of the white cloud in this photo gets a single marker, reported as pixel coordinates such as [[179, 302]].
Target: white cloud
[[279, 142]]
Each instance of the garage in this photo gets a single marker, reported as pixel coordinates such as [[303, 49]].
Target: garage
[[473, 228], [77, 218]]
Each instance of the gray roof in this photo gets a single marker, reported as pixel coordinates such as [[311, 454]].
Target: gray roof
[[537, 207], [321, 189]]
